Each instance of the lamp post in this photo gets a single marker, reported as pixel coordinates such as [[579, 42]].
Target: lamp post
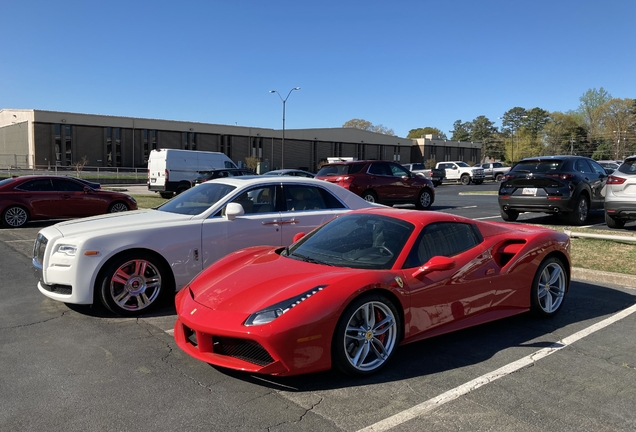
[[282, 146]]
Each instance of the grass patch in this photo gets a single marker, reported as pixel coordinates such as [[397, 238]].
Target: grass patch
[[148, 201]]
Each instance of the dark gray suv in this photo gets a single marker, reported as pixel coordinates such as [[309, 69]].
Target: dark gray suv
[[569, 185]]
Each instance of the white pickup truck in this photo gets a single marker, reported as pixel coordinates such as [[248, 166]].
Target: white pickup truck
[[493, 170], [461, 172]]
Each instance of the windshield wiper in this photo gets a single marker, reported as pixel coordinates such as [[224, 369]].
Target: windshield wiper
[[309, 259]]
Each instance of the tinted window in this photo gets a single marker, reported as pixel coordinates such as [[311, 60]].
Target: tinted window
[[538, 166], [597, 168], [628, 167], [445, 239], [381, 169], [38, 185], [582, 166], [398, 170], [64, 185]]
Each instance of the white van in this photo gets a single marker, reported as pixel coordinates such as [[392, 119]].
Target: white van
[[171, 171]]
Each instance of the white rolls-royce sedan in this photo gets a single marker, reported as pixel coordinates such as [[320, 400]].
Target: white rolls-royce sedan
[[133, 261]]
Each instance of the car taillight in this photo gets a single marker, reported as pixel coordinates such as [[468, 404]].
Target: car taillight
[[615, 180], [167, 175], [507, 177], [561, 176]]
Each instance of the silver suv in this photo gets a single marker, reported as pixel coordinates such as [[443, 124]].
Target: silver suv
[[620, 195]]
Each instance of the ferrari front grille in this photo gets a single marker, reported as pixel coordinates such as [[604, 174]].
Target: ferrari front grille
[[242, 349]]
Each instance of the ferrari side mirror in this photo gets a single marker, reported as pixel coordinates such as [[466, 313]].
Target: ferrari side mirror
[[437, 263]]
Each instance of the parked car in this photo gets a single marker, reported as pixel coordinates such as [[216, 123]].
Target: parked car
[[610, 165], [40, 197], [569, 185], [349, 293], [226, 172], [131, 262], [493, 170], [92, 184], [433, 174], [380, 181], [461, 172], [290, 172], [620, 195]]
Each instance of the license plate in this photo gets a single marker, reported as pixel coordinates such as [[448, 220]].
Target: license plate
[[529, 191]]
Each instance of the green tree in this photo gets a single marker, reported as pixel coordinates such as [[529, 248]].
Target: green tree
[[368, 126], [588, 110], [461, 131], [484, 131], [512, 121], [420, 132], [563, 134], [618, 121]]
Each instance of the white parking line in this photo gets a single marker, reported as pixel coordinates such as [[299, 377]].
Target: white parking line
[[466, 388]]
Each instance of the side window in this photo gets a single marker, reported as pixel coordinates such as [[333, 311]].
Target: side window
[[443, 238], [301, 197], [597, 168], [381, 169], [258, 200], [64, 185], [39, 185], [583, 166], [398, 171]]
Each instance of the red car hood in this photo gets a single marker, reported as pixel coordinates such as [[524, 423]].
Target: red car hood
[[260, 280]]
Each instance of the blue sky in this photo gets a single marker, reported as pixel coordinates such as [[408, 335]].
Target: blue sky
[[402, 64]]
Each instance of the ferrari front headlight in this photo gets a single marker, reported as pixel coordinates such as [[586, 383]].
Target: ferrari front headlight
[[269, 314]]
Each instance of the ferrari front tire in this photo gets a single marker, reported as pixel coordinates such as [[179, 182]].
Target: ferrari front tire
[[548, 287], [134, 283], [366, 336]]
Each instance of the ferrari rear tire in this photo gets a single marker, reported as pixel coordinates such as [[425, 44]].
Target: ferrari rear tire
[[548, 288], [15, 217], [134, 283], [370, 196], [424, 199], [366, 336]]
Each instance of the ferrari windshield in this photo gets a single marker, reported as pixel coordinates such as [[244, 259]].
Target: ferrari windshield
[[364, 241], [197, 199]]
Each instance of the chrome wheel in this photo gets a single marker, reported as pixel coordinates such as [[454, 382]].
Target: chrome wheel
[[424, 200], [118, 207], [15, 217], [550, 284], [367, 336], [132, 286]]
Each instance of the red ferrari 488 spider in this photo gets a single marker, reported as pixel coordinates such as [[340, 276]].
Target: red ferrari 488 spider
[[348, 293]]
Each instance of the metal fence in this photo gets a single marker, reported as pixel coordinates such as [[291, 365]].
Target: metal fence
[[99, 174]]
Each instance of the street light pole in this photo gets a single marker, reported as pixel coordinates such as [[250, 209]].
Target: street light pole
[[282, 146]]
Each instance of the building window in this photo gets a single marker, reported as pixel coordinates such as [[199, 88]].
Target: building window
[[144, 144], [68, 145], [109, 146], [117, 159], [58, 144], [193, 140], [396, 154], [337, 149], [153, 139], [257, 147]]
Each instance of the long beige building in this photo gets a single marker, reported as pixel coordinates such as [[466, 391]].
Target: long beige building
[[44, 139]]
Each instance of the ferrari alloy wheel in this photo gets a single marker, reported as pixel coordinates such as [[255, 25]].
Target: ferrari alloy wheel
[[579, 215], [548, 287], [133, 284], [424, 199], [118, 207], [370, 196], [366, 335], [15, 217]]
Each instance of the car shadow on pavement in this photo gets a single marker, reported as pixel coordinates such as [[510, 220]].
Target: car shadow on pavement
[[97, 310], [466, 347]]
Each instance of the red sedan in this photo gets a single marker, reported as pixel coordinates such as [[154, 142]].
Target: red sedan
[[51, 197], [348, 293]]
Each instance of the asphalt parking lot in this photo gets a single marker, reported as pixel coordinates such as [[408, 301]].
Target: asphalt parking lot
[[78, 368]]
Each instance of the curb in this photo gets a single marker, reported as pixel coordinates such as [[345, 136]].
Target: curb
[[625, 280]]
